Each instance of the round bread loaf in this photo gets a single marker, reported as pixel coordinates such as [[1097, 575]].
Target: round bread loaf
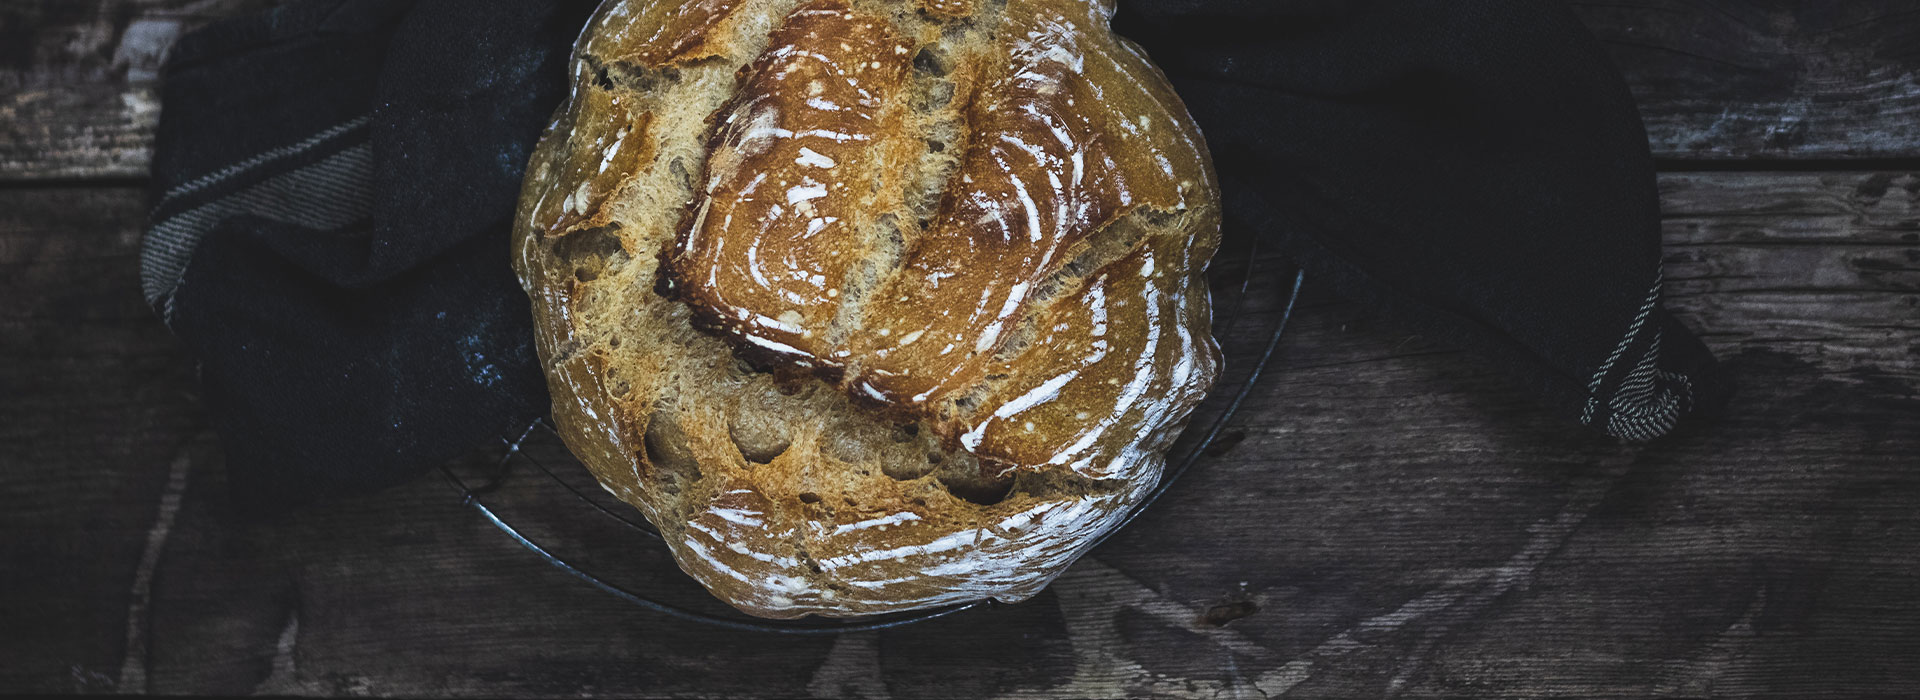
[[870, 305]]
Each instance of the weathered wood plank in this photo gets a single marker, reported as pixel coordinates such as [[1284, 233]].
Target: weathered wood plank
[[1720, 79], [1716, 79], [95, 404], [1394, 516], [79, 81]]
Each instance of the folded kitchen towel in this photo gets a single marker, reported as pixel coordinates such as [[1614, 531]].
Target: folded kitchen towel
[[333, 181]]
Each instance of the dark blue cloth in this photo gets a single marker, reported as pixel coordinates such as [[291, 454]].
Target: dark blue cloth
[[342, 173]]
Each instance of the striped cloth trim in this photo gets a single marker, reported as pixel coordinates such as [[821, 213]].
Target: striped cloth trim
[[231, 171], [328, 193], [1646, 401]]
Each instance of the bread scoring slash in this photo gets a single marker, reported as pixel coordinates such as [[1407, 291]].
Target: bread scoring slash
[[870, 305]]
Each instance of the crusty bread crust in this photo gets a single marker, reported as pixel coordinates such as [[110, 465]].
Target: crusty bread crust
[[870, 305]]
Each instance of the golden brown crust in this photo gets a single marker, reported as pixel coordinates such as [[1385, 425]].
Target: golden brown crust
[[613, 143], [777, 228], [1050, 165], [660, 34], [1004, 177], [1086, 370]]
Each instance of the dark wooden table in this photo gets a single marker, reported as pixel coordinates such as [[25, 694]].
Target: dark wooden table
[[1395, 518]]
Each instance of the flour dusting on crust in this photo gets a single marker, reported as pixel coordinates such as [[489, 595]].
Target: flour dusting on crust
[[870, 305]]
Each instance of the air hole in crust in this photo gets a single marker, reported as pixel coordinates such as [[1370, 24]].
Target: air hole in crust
[[592, 252], [621, 388], [663, 286], [967, 478], [678, 166], [931, 61], [630, 76], [981, 492], [668, 453], [759, 441]]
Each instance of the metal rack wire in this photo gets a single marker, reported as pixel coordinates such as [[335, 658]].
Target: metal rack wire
[[472, 495]]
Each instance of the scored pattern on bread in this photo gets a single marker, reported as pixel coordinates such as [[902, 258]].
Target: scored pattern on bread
[[870, 305], [1041, 175], [808, 155]]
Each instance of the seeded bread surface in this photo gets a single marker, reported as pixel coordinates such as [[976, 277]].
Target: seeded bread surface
[[870, 305]]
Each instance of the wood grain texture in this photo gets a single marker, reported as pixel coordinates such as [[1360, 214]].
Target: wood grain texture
[[1716, 79], [79, 81], [96, 406], [1392, 518], [1769, 79]]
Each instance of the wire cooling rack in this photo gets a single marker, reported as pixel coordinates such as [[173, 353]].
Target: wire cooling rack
[[1244, 285]]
